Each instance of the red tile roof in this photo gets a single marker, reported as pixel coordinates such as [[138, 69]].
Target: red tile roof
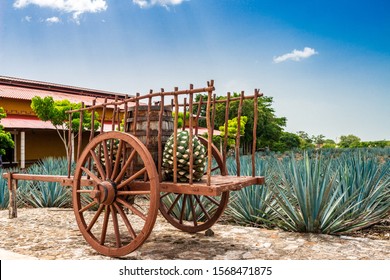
[[30, 122], [15, 92], [25, 122], [52, 87], [23, 89]]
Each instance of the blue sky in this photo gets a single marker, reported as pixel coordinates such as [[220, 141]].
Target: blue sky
[[325, 63]]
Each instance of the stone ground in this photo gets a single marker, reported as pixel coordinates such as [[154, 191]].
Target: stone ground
[[53, 234]]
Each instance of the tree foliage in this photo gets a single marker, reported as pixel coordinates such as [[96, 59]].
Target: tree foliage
[[5, 137], [269, 126], [47, 109], [233, 129], [349, 141]]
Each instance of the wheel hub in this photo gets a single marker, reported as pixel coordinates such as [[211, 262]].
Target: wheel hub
[[105, 193]]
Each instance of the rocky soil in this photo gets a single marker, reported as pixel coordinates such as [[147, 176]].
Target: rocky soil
[[53, 234]]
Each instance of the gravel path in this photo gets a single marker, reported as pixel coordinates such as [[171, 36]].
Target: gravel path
[[53, 234]]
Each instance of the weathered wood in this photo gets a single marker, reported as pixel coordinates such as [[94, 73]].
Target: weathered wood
[[239, 135], [12, 204], [190, 147], [160, 145], [198, 114], [175, 130], [70, 145], [80, 134], [210, 134], [255, 113], [225, 138], [218, 185], [184, 114]]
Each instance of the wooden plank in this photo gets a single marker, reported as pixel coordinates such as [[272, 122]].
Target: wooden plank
[[218, 185], [62, 179]]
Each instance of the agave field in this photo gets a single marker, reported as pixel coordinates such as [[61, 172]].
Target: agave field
[[330, 191], [37, 193]]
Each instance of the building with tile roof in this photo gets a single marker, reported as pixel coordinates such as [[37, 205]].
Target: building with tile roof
[[36, 139]]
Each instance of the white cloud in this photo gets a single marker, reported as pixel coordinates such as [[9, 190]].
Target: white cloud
[[27, 18], [164, 3], [76, 7], [296, 55], [53, 20]]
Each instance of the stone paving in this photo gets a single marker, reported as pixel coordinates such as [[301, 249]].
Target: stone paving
[[53, 234]]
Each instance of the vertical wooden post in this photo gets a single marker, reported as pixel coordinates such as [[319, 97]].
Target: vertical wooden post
[[125, 128], [148, 120], [12, 204], [103, 117], [184, 113], [190, 145], [92, 134], [22, 150], [176, 102], [238, 135], [160, 131], [197, 115], [210, 133], [226, 128], [114, 114], [213, 114], [80, 135], [136, 114], [70, 145], [255, 113], [147, 143]]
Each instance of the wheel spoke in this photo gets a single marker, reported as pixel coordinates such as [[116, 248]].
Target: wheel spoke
[[164, 195], [212, 170], [97, 214], [194, 217], [117, 161], [107, 160], [212, 200], [132, 208], [183, 207], [105, 225], [98, 164], [124, 168], [174, 203], [132, 178], [87, 207], [202, 207], [116, 227], [125, 220], [93, 176]]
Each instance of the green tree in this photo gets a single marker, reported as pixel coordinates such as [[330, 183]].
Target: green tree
[[47, 109], [269, 126], [306, 140], [233, 130], [329, 144], [349, 141], [287, 141], [180, 118], [6, 141]]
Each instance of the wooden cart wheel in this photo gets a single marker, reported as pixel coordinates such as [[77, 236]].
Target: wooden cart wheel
[[194, 213], [114, 216]]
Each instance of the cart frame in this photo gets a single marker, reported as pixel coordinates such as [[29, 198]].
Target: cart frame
[[116, 172]]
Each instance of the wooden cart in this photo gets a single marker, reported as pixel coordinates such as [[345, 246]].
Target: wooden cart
[[117, 185]]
